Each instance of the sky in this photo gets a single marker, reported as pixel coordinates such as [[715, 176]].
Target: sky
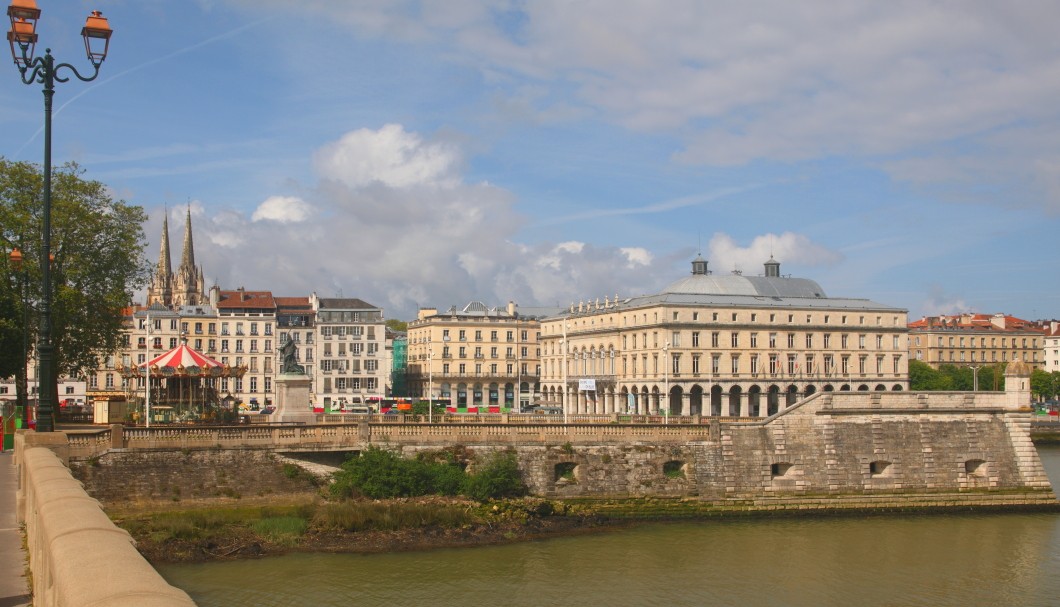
[[428, 154]]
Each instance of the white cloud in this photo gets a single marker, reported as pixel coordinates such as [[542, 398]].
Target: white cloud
[[282, 209], [740, 82], [389, 156], [637, 256], [726, 255], [940, 303]]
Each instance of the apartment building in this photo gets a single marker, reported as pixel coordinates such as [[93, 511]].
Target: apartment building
[[346, 356], [975, 340], [476, 356]]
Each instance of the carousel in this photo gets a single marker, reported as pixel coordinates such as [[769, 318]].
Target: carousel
[[184, 386]]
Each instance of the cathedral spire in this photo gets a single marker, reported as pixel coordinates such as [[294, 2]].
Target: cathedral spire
[[161, 287], [165, 268], [187, 259]]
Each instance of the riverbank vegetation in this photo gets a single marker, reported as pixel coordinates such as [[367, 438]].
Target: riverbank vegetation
[[377, 502], [359, 525]]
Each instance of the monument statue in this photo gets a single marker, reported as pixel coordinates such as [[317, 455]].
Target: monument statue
[[289, 358]]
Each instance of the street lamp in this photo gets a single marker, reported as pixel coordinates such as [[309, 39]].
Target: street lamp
[[666, 381], [563, 342], [43, 70], [430, 381], [21, 396]]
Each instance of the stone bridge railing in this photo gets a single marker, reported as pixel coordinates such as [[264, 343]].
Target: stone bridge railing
[[355, 436]]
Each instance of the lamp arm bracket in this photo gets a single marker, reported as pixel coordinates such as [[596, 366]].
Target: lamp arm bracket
[[55, 73]]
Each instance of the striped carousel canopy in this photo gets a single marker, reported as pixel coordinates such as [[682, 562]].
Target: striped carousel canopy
[[182, 357]]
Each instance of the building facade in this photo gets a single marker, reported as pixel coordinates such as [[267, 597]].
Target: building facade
[[476, 356], [347, 358], [974, 340], [1051, 346], [736, 346]]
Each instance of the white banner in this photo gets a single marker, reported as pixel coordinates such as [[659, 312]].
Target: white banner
[[587, 385]]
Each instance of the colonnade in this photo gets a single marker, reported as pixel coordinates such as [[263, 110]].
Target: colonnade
[[752, 401]]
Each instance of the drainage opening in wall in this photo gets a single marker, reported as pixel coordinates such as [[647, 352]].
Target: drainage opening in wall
[[674, 469], [975, 467], [779, 469], [565, 472], [880, 468]]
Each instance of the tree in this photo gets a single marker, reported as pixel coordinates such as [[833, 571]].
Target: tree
[[923, 377], [394, 324], [1045, 385], [98, 258]]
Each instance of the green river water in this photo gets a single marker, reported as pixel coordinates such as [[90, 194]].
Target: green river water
[[902, 560]]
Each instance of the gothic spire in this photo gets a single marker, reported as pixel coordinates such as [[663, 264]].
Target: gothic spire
[[187, 259], [164, 266]]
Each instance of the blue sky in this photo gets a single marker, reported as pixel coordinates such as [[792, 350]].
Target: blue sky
[[433, 153]]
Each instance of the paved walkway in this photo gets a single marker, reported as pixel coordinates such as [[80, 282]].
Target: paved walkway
[[14, 591]]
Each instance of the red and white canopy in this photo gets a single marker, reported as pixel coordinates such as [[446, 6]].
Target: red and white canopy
[[182, 356]]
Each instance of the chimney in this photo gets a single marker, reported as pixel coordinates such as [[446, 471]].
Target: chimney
[[511, 308]]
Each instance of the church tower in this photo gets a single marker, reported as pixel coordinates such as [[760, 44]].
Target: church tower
[[187, 286], [161, 287]]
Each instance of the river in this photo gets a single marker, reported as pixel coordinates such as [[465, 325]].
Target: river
[[902, 560]]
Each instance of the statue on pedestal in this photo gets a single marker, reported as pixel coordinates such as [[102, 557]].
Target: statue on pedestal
[[289, 358]]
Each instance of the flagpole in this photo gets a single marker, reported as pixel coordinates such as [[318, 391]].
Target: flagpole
[[147, 369]]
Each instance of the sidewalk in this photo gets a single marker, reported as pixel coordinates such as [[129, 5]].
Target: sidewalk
[[14, 590]]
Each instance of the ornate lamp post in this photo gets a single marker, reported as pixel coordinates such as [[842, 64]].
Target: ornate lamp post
[[22, 397], [43, 70]]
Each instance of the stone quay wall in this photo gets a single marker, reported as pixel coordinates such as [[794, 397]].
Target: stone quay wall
[[827, 446], [78, 557]]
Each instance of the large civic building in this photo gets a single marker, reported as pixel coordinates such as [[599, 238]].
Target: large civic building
[[721, 345]]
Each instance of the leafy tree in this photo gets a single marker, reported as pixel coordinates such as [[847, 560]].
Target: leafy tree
[[397, 325], [97, 244], [1045, 385], [923, 377]]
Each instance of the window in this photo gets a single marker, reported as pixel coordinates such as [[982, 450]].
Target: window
[[675, 339], [791, 340], [695, 364], [493, 336], [735, 339], [772, 340], [754, 364], [715, 363], [735, 365], [754, 340], [714, 338], [809, 341], [695, 339]]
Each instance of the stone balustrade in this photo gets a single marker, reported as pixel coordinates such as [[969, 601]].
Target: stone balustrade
[[78, 557]]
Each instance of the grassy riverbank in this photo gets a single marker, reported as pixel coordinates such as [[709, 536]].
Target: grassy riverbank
[[361, 526]]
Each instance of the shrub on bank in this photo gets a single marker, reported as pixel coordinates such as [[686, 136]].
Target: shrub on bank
[[380, 474]]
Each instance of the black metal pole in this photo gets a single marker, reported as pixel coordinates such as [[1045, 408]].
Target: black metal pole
[[46, 386]]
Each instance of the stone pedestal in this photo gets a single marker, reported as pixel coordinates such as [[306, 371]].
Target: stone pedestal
[[292, 399]]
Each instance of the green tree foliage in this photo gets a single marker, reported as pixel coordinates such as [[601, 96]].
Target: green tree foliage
[[397, 325], [498, 477], [1045, 385], [954, 377], [381, 474], [97, 245]]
